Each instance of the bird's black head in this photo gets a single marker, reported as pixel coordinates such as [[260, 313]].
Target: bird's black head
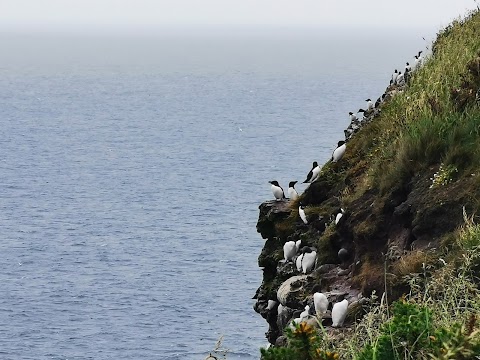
[[368, 100], [274, 182], [361, 110], [408, 64], [292, 183], [315, 164], [350, 113], [395, 70], [420, 52], [306, 249], [416, 57], [340, 143]]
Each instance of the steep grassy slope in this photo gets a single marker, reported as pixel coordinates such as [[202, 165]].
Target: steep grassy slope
[[410, 185]]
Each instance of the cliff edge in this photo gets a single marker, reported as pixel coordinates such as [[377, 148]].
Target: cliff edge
[[409, 178]]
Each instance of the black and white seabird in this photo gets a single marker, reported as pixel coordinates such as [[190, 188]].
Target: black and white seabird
[[400, 79], [298, 262], [308, 261], [313, 174], [277, 190], [320, 301], [292, 193], [339, 151], [353, 117], [301, 212], [289, 250], [394, 77], [369, 104], [339, 215], [339, 313], [380, 99], [408, 67], [418, 60]]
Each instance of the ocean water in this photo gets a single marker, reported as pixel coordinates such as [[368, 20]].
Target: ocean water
[[131, 171]]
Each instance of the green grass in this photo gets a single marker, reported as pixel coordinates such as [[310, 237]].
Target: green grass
[[421, 126]]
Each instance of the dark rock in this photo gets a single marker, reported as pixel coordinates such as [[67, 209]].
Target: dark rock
[[292, 291], [281, 341], [271, 212], [343, 255], [322, 269]]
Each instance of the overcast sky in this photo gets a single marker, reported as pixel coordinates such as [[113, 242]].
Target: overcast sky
[[150, 15]]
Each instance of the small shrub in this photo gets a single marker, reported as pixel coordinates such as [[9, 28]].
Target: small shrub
[[303, 344], [405, 333]]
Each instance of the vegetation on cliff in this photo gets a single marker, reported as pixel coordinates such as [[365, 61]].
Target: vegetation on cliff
[[410, 185]]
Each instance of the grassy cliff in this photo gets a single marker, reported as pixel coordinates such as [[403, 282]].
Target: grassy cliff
[[410, 186]]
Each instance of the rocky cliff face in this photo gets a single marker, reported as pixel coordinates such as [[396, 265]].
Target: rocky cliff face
[[392, 223]]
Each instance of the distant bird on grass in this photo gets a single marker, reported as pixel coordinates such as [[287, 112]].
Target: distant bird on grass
[[408, 67], [400, 79], [394, 77], [418, 60], [339, 151], [301, 212], [313, 174], [380, 100], [339, 216], [369, 104]]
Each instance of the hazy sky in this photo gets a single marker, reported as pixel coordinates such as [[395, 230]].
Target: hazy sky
[[148, 15]]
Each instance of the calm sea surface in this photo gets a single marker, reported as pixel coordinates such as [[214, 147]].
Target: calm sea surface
[[131, 171]]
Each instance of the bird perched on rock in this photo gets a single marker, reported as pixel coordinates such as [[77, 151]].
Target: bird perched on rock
[[313, 174], [292, 193], [298, 262], [339, 151], [339, 313], [301, 212], [289, 250], [277, 190], [320, 302], [308, 261], [297, 244]]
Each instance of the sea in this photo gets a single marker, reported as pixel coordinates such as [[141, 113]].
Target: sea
[[131, 171]]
